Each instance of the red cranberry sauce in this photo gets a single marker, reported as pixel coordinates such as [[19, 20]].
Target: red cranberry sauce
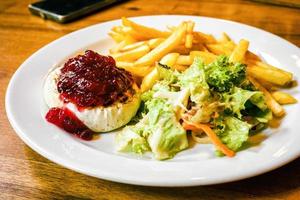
[[65, 119], [91, 80]]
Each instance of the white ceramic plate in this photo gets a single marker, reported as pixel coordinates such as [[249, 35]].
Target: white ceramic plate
[[196, 166]]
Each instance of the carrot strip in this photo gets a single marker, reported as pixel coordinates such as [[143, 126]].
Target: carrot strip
[[211, 134]]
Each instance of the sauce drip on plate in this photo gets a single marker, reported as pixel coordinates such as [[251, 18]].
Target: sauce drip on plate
[[65, 119]]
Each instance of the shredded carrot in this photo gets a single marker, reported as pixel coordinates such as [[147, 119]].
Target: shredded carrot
[[216, 115], [211, 134]]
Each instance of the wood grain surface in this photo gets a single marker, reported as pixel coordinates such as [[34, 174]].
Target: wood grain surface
[[25, 174]]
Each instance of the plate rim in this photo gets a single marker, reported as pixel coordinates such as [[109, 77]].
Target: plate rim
[[61, 162]]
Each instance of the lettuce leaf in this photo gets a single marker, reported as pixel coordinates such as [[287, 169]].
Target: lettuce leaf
[[128, 140], [166, 73], [238, 99], [221, 75], [167, 136], [194, 79], [233, 132], [158, 131]]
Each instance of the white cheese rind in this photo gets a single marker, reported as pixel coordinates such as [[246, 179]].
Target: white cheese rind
[[103, 119], [51, 95]]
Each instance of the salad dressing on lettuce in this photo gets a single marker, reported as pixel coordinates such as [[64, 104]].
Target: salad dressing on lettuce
[[217, 95]]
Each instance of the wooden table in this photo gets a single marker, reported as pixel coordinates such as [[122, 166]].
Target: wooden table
[[25, 174]]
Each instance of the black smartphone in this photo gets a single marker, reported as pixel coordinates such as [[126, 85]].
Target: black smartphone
[[63, 11]]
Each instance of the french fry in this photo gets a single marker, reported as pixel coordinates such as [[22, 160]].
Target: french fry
[[149, 80], [269, 86], [188, 41], [266, 72], [185, 51], [225, 48], [187, 60], [274, 106], [131, 55], [180, 67], [184, 60], [137, 71], [133, 46], [152, 43], [181, 49], [144, 30], [183, 39], [204, 38], [219, 49], [117, 47], [265, 65], [230, 45], [205, 49], [267, 75], [155, 42], [125, 30], [117, 37], [275, 122], [224, 38], [251, 56], [127, 40], [199, 47], [257, 138], [136, 35], [239, 51], [291, 84], [169, 59], [207, 57], [165, 47], [189, 36], [124, 65], [283, 98], [117, 29]]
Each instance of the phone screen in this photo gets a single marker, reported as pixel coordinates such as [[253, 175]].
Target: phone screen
[[64, 7], [67, 10]]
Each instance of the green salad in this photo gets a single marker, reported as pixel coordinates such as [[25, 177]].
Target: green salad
[[214, 100]]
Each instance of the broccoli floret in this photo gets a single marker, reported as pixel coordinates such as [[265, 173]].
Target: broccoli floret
[[222, 75]]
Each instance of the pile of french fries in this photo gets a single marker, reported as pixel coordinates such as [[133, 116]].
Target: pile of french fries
[[138, 48]]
